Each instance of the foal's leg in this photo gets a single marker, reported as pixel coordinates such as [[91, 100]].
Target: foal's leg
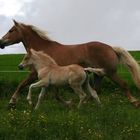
[[60, 99], [37, 84], [93, 93], [95, 82], [31, 77], [124, 87], [40, 97], [79, 91]]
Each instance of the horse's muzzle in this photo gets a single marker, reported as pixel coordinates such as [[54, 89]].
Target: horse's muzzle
[[21, 67], [2, 44]]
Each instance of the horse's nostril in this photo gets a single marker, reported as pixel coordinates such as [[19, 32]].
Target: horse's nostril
[[20, 67], [2, 47], [1, 44]]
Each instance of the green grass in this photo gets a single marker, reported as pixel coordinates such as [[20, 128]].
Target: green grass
[[117, 119]]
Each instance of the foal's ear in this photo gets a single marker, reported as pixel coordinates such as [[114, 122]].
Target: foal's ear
[[15, 22], [33, 52]]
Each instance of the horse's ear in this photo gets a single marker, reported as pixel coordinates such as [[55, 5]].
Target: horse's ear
[[15, 22]]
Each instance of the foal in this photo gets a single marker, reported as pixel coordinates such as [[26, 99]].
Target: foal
[[49, 73]]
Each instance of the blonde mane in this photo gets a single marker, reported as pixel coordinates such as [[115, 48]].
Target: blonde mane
[[41, 33], [46, 58]]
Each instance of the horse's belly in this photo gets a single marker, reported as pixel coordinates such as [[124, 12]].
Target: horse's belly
[[58, 80]]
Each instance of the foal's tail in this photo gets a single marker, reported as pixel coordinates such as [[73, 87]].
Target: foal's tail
[[130, 62], [98, 71]]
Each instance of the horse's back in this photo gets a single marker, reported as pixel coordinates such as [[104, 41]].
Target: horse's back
[[102, 56], [96, 54], [91, 54]]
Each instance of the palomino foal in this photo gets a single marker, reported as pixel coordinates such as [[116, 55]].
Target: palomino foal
[[50, 73]]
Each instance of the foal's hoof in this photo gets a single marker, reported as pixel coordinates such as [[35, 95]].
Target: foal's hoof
[[30, 102], [11, 106], [136, 104]]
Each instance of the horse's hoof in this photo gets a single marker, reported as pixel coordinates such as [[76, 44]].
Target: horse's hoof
[[136, 104], [11, 106]]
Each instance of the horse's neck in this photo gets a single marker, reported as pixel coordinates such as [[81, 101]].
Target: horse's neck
[[35, 42]]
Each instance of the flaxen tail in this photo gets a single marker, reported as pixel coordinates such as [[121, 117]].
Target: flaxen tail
[[130, 62]]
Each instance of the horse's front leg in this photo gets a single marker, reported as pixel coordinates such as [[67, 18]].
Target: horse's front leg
[[40, 97], [34, 85], [30, 78]]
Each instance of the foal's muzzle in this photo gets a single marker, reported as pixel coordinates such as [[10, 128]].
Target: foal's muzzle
[[21, 67]]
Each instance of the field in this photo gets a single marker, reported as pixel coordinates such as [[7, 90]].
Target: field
[[117, 119]]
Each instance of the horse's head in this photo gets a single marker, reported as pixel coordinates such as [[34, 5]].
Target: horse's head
[[13, 36], [26, 62]]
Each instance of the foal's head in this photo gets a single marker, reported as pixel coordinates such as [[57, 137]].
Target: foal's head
[[26, 62], [37, 59]]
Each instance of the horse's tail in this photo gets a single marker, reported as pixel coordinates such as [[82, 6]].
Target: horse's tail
[[98, 71], [130, 62]]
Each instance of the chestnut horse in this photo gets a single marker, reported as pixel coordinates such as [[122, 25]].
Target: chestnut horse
[[91, 54]]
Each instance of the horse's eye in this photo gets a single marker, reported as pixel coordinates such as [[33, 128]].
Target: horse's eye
[[10, 31]]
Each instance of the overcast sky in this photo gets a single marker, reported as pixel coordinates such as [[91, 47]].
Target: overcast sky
[[115, 22]]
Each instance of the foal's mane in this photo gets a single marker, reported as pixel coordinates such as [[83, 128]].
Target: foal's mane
[[40, 33], [46, 58]]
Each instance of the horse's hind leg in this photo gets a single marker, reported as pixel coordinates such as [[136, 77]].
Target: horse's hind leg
[[31, 77], [79, 91], [124, 87], [60, 99], [97, 81]]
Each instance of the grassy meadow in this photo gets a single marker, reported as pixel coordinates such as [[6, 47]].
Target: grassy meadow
[[117, 119]]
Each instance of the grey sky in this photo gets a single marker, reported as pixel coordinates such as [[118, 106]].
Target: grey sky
[[76, 21]]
